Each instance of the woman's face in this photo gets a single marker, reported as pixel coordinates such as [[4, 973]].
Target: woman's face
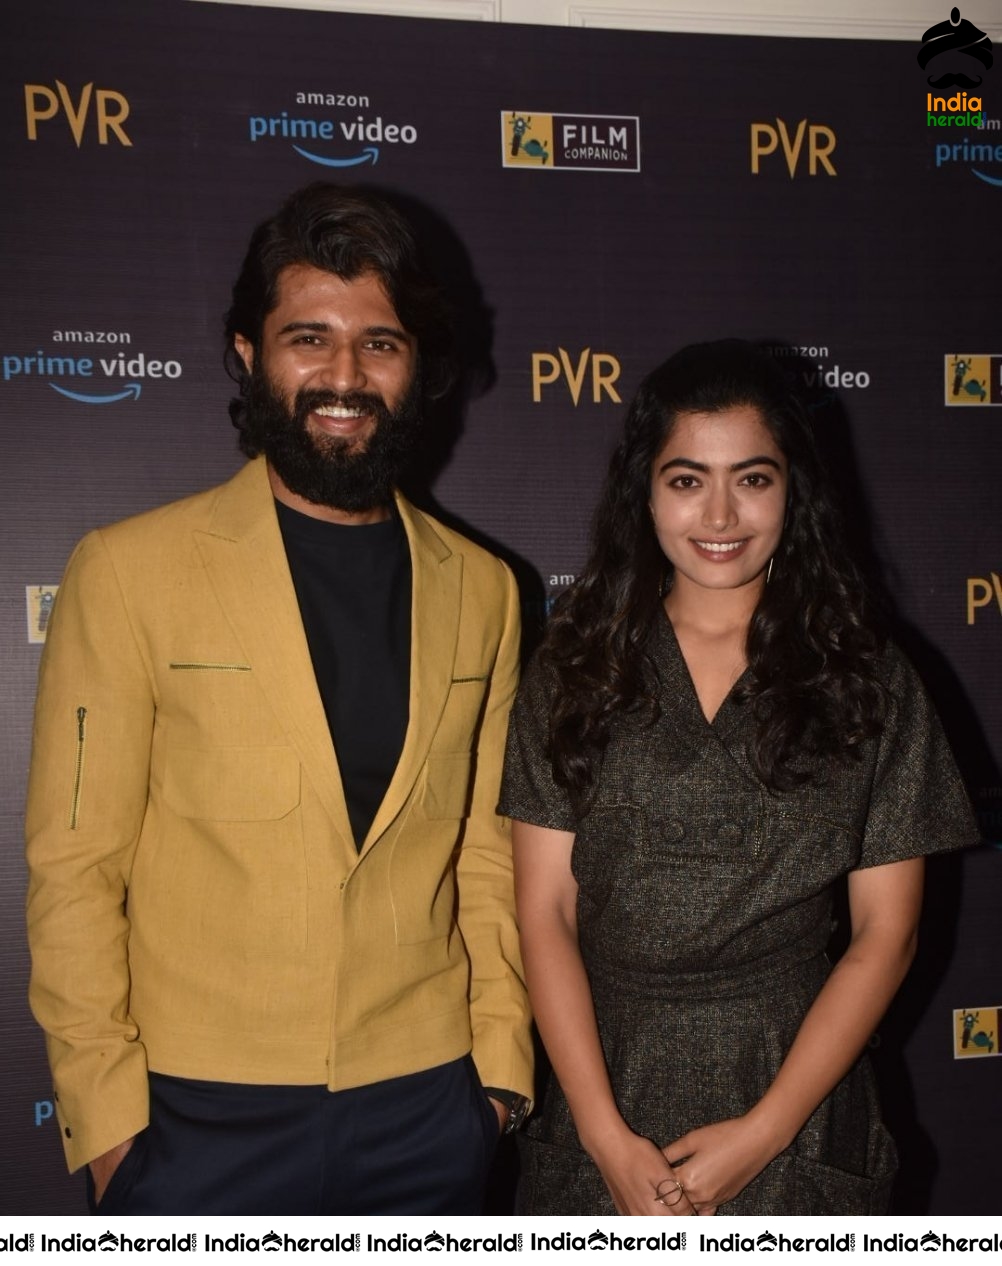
[[718, 498]]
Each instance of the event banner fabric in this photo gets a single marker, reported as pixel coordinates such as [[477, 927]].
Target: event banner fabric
[[595, 199]]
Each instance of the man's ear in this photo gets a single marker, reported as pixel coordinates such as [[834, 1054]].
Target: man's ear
[[245, 350]]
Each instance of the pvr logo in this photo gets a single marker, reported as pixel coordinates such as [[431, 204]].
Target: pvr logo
[[547, 369], [41, 103], [980, 592], [765, 140]]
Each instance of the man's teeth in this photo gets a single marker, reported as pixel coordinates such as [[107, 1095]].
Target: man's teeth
[[338, 411], [720, 547]]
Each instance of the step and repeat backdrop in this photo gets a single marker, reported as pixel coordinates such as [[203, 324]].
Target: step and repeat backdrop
[[595, 199]]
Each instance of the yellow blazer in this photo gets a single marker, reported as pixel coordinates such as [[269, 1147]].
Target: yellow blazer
[[197, 905]]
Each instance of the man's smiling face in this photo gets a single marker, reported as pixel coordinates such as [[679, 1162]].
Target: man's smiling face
[[334, 396]]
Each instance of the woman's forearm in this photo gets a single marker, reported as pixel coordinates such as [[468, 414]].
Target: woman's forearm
[[565, 1016], [834, 1031]]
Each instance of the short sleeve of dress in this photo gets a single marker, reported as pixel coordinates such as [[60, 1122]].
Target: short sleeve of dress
[[528, 792], [918, 804]]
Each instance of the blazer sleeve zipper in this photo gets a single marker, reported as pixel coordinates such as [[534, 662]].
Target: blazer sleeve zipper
[[78, 767]]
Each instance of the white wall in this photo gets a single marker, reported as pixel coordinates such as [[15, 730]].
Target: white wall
[[849, 19]]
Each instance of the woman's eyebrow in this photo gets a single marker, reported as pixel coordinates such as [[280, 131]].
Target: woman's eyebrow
[[688, 464]]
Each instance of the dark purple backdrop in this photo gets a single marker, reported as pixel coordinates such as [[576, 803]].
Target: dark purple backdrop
[[881, 271]]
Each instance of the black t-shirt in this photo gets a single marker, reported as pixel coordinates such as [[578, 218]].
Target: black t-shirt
[[353, 583]]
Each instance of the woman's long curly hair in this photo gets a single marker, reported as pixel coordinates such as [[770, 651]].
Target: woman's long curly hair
[[813, 641]]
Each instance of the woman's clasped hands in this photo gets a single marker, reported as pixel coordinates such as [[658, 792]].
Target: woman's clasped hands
[[716, 1162], [639, 1179], [692, 1176]]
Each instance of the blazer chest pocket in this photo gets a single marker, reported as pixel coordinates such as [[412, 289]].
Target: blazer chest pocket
[[447, 787], [457, 726], [232, 784]]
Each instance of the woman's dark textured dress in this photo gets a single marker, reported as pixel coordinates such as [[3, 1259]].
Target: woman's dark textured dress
[[704, 910]]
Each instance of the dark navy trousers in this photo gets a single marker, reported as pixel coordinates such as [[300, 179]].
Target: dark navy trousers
[[416, 1144]]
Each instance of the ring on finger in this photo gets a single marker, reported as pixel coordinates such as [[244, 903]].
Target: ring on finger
[[674, 1193]]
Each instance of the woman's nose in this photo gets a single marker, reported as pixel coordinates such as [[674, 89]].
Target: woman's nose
[[719, 513]]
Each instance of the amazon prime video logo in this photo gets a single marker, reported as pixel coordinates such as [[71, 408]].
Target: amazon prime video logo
[[99, 377], [345, 142]]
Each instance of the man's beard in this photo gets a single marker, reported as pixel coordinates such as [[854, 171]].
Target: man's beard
[[341, 472]]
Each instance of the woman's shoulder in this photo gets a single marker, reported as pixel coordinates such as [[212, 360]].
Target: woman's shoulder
[[892, 664], [896, 671], [539, 678], [537, 692]]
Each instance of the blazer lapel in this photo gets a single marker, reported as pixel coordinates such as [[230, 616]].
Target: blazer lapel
[[436, 593], [246, 562]]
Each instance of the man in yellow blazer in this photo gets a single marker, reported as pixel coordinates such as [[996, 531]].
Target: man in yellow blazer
[[270, 907]]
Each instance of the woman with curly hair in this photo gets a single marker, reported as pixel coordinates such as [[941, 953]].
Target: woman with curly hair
[[715, 732]]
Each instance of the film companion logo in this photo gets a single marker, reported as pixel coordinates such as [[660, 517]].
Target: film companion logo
[[976, 1032], [570, 142], [973, 379]]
